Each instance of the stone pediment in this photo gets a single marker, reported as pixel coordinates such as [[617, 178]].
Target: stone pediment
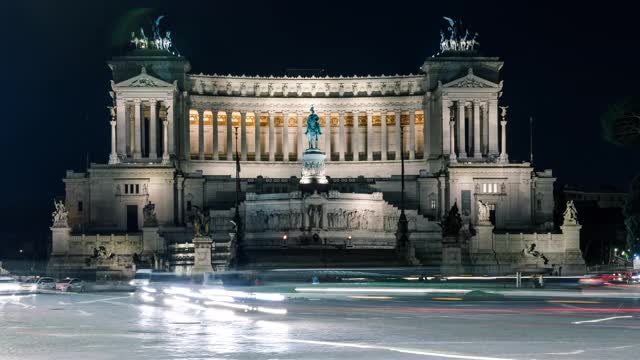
[[143, 80], [471, 81]]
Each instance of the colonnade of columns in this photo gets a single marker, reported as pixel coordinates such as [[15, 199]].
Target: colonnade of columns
[[297, 119], [482, 137], [128, 133]]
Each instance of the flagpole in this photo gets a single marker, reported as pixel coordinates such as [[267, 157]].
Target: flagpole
[[531, 139]]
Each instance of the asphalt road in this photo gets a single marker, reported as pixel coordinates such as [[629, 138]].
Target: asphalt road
[[122, 326]]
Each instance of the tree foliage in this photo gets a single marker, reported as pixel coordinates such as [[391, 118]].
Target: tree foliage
[[631, 211], [621, 122], [452, 222]]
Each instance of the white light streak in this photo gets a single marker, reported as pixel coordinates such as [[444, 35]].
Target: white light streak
[[601, 320], [385, 290]]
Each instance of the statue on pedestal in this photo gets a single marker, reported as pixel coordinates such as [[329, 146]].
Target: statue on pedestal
[[483, 212], [570, 214], [201, 220], [313, 129], [60, 215], [149, 215]]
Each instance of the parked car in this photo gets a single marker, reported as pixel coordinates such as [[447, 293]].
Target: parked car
[[9, 286], [70, 284]]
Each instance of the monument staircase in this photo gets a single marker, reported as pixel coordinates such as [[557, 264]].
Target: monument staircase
[[319, 257]]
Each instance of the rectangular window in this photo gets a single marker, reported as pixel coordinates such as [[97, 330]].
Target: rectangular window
[[126, 188], [495, 188], [189, 205], [79, 206], [137, 188], [433, 204], [465, 202], [484, 188]]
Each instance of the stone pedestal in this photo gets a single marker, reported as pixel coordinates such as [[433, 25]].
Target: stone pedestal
[[573, 260], [202, 255], [484, 237], [452, 256], [151, 241], [60, 240], [313, 177]]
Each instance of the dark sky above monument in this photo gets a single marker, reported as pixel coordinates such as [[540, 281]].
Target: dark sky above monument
[[564, 63]]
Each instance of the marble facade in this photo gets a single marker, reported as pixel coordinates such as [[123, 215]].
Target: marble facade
[[173, 143]]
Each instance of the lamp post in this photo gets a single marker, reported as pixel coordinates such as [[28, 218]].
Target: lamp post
[[236, 218], [403, 224]]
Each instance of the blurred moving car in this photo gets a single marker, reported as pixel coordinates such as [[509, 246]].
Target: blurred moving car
[[45, 283], [617, 278], [29, 284], [9, 286], [70, 284], [142, 277]]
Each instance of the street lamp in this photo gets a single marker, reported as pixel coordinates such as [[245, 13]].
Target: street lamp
[[239, 256]]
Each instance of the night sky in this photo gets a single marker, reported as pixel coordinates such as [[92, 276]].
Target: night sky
[[564, 63]]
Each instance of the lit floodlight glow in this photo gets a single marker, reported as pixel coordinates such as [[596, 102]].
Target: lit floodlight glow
[[221, 298], [229, 305], [147, 298], [181, 298], [179, 301], [149, 289], [269, 297], [272, 310]]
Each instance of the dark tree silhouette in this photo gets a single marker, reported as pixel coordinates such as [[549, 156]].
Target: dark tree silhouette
[[621, 126]]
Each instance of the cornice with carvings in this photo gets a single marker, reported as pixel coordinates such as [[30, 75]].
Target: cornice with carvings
[[351, 86], [251, 104]]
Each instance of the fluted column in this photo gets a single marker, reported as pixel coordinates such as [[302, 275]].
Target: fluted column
[[180, 186], [493, 127], [153, 129], [272, 136], [113, 156], [121, 128], [229, 135], [200, 134], [446, 134], [243, 136], [477, 153], [412, 135], [170, 105], [137, 142], [398, 140], [343, 140], [462, 148], [426, 143], [504, 157], [285, 135], [355, 146], [327, 135], [214, 130], [452, 142], [383, 135], [369, 135], [257, 134], [485, 128], [299, 132], [165, 142]]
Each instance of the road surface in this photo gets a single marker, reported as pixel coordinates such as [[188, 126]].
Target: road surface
[[122, 326]]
